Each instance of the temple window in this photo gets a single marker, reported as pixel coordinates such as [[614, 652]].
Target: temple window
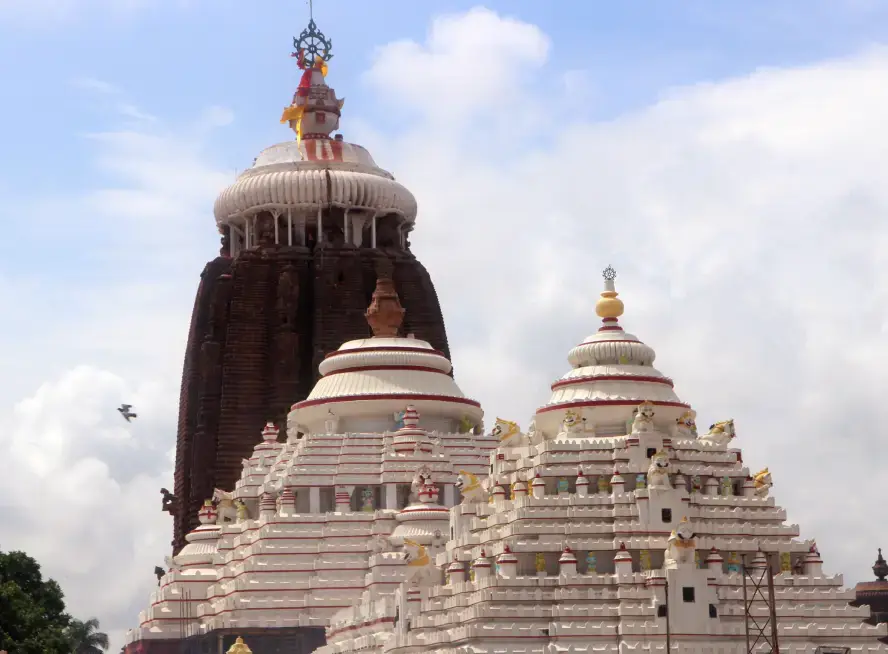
[[713, 611], [661, 611], [666, 515], [688, 594]]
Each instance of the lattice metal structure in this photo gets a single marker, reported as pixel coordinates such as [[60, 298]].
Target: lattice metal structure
[[758, 592]]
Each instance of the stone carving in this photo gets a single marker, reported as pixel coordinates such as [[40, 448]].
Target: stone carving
[[681, 545], [225, 506], [540, 562], [422, 477], [507, 432], [686, 425], [591, 563], [367, 500], [288, 297], [420, 569], [720, 434], [563, 486], [265, 230], [727, 486], [603, 485], [466, 425], [470, 487], [380, 544], [241, 512], [225, 241], [644, 560], [170, 502], [573, 423], [696, 484], [762, 482], [640, 483], [385, 314], [658, 472], [644, 418]]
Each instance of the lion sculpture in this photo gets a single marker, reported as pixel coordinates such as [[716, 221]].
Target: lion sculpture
[[573, 423], [720, 433], [420, 569], [681, 546], [470, 487], [227, 511], [508, 433], [644, 418], [762, 483], [658, 472], [686, 424]]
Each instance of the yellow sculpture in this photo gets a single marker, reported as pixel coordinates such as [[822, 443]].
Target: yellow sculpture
[[762, 482], [540, 562], [240, 647], [644, 557], [507, 432], [785, 562], [416, 554], [466, 425]]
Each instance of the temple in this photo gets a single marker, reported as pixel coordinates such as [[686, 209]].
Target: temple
[[372, 514], [306, 232]]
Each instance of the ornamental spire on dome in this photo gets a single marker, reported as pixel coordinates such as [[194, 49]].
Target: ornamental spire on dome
[[385, 313], [880, 569], [315, 110], [609, 306]]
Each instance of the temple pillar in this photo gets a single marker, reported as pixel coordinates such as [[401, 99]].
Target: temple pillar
[[320, 226], [277, 237], [345, 229], [289, 228], [373, 232]]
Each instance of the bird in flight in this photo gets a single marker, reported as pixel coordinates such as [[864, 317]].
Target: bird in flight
[[124, 410]]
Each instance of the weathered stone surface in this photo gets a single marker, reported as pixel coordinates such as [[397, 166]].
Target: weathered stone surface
[[261, 325]]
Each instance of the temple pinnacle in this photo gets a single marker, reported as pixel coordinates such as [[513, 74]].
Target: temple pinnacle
[[609, 305]]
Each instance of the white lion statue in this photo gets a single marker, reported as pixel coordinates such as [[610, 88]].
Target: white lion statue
[[762, 483], [681, 546], [420, 569], [420, 479], [227, 511], [573, 423], [507, 432], [470, 487], [686, 424], [380, 544], [658, 472], [719, 434], [644, 418]]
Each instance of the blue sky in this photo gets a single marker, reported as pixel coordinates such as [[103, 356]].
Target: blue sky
[[726, 157], [172, 59]]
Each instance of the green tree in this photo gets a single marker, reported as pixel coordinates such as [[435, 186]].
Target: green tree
[[32, 611], [86, 638]]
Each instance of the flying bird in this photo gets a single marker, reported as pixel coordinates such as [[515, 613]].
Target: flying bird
[[124, 410]]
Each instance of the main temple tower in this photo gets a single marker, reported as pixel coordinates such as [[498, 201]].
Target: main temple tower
[[306, 231]]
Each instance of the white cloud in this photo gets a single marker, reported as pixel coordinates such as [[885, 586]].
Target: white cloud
[[744, 217]]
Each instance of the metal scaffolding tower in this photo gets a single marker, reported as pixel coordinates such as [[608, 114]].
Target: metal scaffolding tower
[[758, 592]]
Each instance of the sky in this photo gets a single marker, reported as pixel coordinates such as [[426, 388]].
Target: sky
[[726, 158]]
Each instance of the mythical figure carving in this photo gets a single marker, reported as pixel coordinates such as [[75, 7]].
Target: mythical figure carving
[[573, 423], [720, 434], [640, 483], [686, 425], [533, 436], [540, 562], [681, 546], [507, 432], [225, 241], [422, 477], [367, 500], [420, 569], [762, 482], [399, 419], [591, 563], [466, 425], [380, 544], [170, 502], [470, 487], [265, 230], [241, 512], [603, 484], [727, 486], [644, 418], [563, 486], [696, 484], [658, 472], [225, 506]]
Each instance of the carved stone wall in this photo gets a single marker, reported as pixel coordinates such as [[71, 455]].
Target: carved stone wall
[[261, 325]]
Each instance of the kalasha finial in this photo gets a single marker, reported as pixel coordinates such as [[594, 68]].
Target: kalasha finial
[[609, 305], [240, 647], [881, 567], [385, 313]]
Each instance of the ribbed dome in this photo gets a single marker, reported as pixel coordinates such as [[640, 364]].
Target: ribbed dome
[[612, 374]]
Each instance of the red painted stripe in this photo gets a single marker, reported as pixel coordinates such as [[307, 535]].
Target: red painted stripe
[[371, 368], [421, 350], [389, 396], [594, 378], [593, 403], [611, 340]]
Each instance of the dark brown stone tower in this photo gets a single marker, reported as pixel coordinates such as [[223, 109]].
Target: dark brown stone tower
[[306, 232]]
